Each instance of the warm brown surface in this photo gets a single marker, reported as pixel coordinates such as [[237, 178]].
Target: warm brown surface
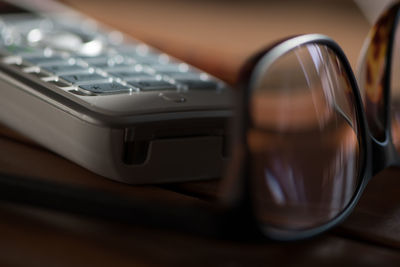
[[215, 37], [38, 238], [220, 35]]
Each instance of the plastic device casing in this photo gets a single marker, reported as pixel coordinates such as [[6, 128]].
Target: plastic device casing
[[185, 140]]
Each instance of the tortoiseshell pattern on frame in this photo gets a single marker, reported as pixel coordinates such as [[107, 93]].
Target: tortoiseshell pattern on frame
[[376, 71]]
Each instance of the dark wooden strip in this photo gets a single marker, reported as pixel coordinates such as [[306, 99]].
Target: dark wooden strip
[[51, 239], [377, 216], [207, 190], [20, 158], [375, 219]]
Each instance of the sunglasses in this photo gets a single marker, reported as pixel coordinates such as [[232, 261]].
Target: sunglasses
[[306, 143]]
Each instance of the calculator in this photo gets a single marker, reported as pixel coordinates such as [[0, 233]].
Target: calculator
[[108, 102]]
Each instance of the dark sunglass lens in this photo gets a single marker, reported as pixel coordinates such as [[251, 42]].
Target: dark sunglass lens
[[395, 90], [374, 72], [302, 139]]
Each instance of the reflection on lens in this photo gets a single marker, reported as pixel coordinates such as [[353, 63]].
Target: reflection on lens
[[303, 139]]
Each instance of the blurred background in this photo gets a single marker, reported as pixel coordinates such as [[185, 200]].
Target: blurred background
[[219, 36]]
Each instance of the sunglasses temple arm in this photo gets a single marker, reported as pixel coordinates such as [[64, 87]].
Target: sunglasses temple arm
[[197, 219]]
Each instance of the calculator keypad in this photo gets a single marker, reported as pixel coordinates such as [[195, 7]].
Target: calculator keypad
[[115, 69]]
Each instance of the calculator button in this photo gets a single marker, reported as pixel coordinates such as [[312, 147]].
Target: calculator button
[[152, 85], [82, 78], [73, 41], [59, 83], [14, 60], [106, 88], [199, 84], [130, 75], [63, 69], [96, 59], [181, 67], [145, 59], [45, 60], [126, 48], [110, 65], [136, 50], [183, 75], [39, 74], [101, 65], [102, 58], [107, 62], [18, 50]]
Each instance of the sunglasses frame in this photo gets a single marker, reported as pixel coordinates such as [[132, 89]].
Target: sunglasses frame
[[259, 64], [235, 217], [384, 153]]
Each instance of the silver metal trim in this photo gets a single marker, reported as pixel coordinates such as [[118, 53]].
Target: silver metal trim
[[280, 50]]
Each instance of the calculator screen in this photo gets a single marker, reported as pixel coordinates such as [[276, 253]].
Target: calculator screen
[[7, 8]]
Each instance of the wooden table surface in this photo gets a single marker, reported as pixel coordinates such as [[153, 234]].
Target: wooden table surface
[[218, 37]]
